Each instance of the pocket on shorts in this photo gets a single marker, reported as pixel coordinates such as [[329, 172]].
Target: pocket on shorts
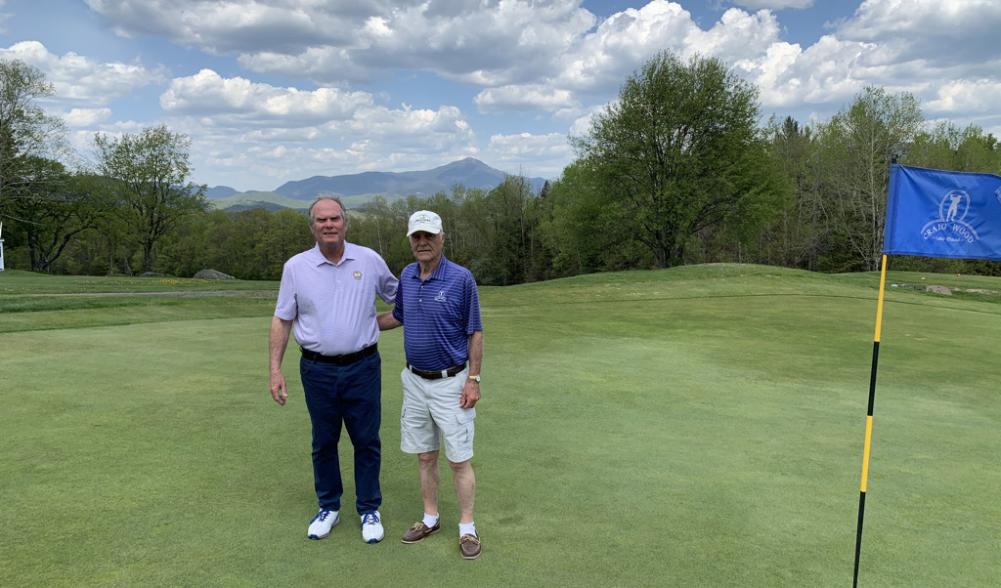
[[411, 418], [462, 431], [411, 439], [407, 440], [459, 435]]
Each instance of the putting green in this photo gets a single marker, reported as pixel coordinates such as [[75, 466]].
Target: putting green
[[700, 426]]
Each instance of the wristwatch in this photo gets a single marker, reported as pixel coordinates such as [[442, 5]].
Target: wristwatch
[[475, 378]]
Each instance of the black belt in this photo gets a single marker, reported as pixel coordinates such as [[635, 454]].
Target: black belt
[[437, 375], [340, 359]]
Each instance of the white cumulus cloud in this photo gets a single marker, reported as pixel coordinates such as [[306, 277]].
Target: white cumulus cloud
[[967, 96], [78, 78], [738, 35], [530, 155], [252, 134], [774, 4], [208, 93], [533, 96], [86, 117], [941, 33], [226, 25], [407, 129], [503, 40]]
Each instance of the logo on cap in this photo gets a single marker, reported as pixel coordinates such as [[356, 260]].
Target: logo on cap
[[424, 220]]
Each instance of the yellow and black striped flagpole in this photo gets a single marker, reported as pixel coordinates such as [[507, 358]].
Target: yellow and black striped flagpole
[[868, 421]]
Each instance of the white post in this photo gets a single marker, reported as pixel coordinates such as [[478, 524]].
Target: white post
[[1, 246]]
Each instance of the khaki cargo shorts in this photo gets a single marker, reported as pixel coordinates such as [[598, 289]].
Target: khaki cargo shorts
[[431, 411]]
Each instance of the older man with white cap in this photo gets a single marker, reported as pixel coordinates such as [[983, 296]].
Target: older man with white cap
[[438, 306]]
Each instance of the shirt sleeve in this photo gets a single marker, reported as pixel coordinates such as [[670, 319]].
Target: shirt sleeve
[[388, 284], [473, 323], [286, 309]]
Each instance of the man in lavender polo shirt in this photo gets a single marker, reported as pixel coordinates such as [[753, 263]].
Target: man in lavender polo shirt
[[439, 308], [327, 295]]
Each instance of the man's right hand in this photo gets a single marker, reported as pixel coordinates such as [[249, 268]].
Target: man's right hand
[[387, 321], [278, 390]]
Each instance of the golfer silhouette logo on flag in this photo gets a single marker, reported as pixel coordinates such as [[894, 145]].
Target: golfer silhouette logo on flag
[[949, 225]]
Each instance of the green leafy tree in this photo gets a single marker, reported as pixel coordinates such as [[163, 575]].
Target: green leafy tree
[[151, 167], [54, 212], [538, 255], [856, 147], [26, 133], [584, 229], [289, 234], [503, 260], [946, 146], [199, 241], [681, 152], [796, 236]]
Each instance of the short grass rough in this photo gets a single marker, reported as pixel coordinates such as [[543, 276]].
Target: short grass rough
[[700, 426]]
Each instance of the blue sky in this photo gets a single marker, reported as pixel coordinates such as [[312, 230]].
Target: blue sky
[[277, 90]]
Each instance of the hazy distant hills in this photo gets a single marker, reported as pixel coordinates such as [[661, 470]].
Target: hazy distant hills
[[356, 189], [237, 201], [219, 192]]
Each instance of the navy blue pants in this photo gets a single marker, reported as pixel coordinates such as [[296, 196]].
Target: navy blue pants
[[350, 394]]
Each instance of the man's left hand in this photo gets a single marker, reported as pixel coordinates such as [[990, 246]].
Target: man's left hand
[[470, 394]]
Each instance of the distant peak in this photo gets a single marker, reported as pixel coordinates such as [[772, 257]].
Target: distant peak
[[468, 160]]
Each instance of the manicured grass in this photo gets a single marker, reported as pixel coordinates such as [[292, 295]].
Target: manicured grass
[[27, 283], [700, 426], [31, 302]]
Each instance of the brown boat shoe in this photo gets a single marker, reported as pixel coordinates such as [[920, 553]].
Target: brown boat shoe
[[469, 546], [419, 531]]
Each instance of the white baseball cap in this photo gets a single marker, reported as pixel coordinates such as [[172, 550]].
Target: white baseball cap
[[424, 220]]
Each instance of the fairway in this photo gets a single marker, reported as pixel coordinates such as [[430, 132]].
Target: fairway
[[699, 426]]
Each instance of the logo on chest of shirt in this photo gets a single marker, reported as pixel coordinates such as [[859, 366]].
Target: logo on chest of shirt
[[357, 275], [440, 297]]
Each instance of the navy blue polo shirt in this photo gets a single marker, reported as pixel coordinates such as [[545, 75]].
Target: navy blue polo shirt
[[438, 315]]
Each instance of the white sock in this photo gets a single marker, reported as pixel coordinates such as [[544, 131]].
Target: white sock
[[430, 520], [467, 529]]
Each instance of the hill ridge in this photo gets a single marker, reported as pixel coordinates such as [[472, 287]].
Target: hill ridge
[[360, 188]]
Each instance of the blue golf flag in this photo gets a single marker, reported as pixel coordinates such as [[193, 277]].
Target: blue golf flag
[[939, 213]]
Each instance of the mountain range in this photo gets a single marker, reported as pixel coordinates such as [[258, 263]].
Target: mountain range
[[357, 189]]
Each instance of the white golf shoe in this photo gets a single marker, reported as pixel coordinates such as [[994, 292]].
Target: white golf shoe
[[371, 528], [322, 523]]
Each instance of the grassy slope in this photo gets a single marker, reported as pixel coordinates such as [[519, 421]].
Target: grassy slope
[[693, 427]]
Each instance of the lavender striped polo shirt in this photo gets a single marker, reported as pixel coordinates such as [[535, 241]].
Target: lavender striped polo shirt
[[332, 306], [438, 315]]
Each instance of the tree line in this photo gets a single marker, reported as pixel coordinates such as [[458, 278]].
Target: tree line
[[678, 170]]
